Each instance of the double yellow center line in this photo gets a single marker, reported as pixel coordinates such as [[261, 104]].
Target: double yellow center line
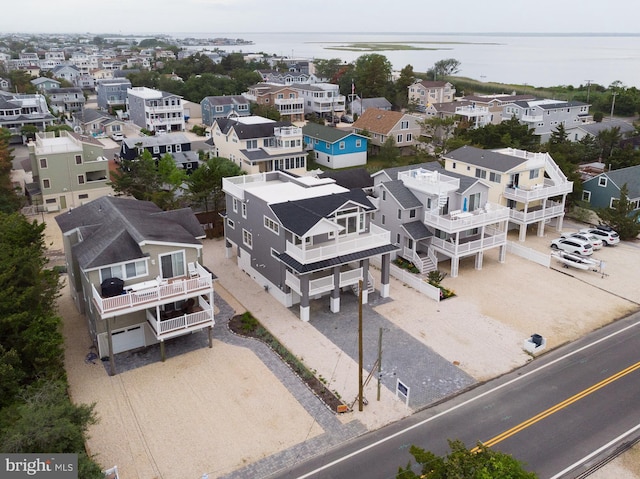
[[523, 425]]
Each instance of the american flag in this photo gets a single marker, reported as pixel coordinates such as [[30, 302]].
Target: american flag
[[353, 88]]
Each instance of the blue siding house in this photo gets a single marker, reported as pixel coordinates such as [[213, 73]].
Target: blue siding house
[[214, 107], [335, 148], [601, 191]]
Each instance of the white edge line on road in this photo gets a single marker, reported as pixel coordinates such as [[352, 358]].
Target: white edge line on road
[[462, 404], [596, 452]]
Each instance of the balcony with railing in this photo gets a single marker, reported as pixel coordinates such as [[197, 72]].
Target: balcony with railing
[[471, 245], [341, 245], [140, 296], [163, 108], [324, 283], [531, 118], [551, 209], [456, 221], [184, 322], [546, 189]]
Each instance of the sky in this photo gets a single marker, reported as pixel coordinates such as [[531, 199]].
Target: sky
[[257, 16]]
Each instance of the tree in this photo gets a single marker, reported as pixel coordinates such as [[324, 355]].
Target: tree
[[204, 185], [405, 80], [372, 74], [462, 463], [36, 414], [438, 132], [622, 217], [9, 199], [266, 111], [607, 140], [328, 69], [443, 68], [389, 152]]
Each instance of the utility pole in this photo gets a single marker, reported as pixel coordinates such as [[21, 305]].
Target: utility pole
[[379, 361], [360, 353], [613, 103]]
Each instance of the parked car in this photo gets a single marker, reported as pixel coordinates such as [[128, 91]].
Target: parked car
[[573, 245], [347, 118], [596, 241], [609, 238], [117, 137]]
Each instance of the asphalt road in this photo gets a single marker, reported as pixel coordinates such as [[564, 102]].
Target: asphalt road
[[551, 414]]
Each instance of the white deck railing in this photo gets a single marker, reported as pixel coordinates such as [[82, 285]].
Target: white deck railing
[[159, 293], [325, 283], [492, 213], [469, 247], [549, 212], [544, 190], [182, 323], [340, 246]]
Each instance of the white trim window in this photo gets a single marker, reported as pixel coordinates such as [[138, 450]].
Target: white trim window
[[399, 138], [43, 163], [130, 270], [172, 264], [234, 203], [586, 196], [271, 225], [244, 210], [231, 224], [602, 181], [247, 239]]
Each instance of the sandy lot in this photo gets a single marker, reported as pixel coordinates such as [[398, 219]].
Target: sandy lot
[[216, 410]]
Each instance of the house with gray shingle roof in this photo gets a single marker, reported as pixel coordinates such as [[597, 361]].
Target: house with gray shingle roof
[[223, 106], [603, 190], [531, 185], [303, 237], [544, 115], [435, 215], [259, 145], [625, 128], [96, 123], [335, 148], [137, 273]]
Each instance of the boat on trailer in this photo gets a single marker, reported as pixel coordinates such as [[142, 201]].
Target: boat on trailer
[[575, 260]]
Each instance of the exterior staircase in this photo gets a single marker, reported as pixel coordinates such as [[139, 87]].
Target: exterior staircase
[[370, 285]]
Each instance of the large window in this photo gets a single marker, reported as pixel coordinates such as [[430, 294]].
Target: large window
[[129, 270], [43, 163], [172, 264], [351, 220]]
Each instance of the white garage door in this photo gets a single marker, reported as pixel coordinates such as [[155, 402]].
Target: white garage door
[[126, 339]]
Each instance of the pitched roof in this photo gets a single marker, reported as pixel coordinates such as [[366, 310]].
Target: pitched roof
[[403, 195], [352, 178], [433, 84], [417, 230], [113, 229], [630, 176], [247, 131], [325, 133], [595, 128], [300, 216], [226, 100], [488, 159], [378, 121]]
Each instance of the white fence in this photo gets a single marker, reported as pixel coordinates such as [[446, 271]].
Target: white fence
[[412, 280], [528, 253]]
